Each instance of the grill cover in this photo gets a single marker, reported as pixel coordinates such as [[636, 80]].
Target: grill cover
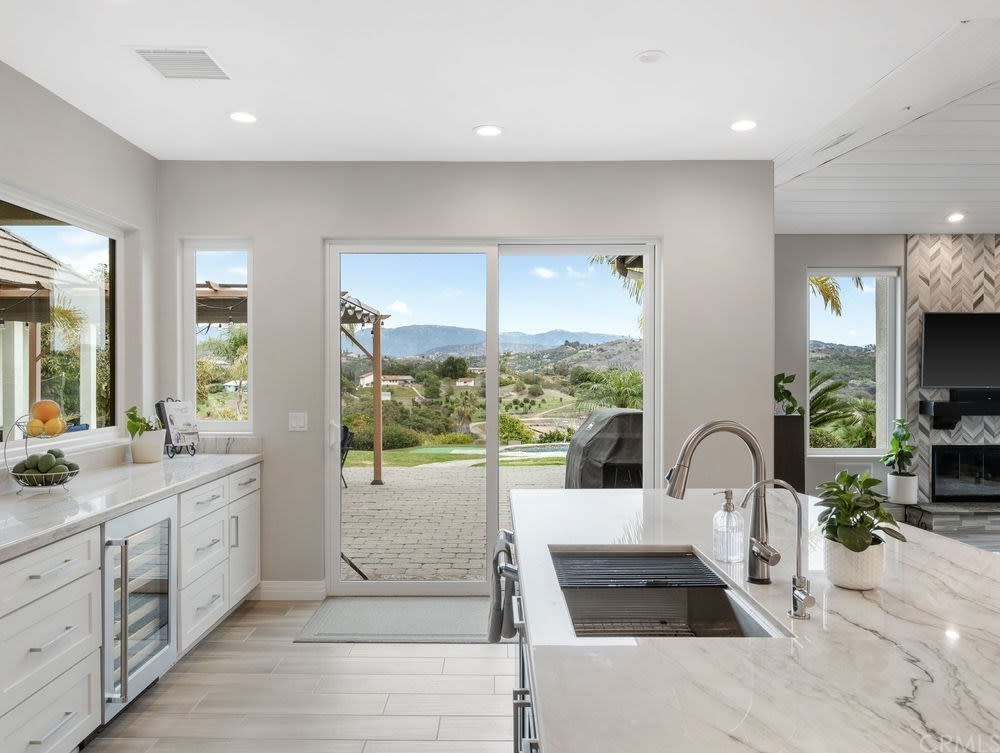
[[606, 452]]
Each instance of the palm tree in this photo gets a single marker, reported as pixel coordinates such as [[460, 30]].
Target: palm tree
[[826, 405], [827, 288], [859, 430], [466, 406], [614, 388], [633, 285]]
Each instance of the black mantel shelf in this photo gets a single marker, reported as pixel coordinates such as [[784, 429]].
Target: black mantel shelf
[[945, 414]]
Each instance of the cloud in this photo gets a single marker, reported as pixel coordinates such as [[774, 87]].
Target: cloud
[[576, 274], [544, 272], [399, 307]]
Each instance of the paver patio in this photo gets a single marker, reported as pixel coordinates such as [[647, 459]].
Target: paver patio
[[428, 522]]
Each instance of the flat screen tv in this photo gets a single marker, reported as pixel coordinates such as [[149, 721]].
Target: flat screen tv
[[961, 351]]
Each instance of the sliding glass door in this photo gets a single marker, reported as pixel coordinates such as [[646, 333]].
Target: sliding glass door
[[458, 372]]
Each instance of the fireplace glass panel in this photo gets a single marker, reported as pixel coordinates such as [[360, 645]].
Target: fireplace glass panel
[[965, 473]]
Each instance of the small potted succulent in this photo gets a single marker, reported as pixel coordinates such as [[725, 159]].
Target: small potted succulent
[[902, 483], [855, 526], [147, 435]]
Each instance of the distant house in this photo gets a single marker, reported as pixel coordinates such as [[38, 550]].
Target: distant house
[[388, 380], [465, 382], [477, 369]]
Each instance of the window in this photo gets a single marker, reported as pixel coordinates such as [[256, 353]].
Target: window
[[853, 358], [219, 371], [56, 319]]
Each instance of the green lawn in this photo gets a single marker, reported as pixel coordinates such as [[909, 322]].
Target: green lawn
[[408, 457]]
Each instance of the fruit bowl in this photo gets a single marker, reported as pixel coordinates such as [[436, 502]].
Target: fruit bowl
[[45, 469]]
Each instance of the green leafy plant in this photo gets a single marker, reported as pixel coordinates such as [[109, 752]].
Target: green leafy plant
[[138, 424], [854, 515], [784, 400], [900, 453]]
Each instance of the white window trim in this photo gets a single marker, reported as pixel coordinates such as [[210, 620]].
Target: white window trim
[[895, 355], [189, 247], [101, 224]]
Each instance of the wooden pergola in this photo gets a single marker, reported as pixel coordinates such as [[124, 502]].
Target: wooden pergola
[[355, 313]]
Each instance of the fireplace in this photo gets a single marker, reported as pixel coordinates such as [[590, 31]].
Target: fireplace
[[965, 473]]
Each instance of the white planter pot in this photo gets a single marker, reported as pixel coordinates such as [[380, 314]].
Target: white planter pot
[[859, 571], [148, 448], [903, 489]]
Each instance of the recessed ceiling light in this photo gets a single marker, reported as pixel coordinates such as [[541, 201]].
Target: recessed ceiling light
[[488, 130], [650, 56], [744, 125], [243, 117], [956, 217]]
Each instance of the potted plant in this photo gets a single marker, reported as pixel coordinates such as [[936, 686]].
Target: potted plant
[[855, 525], [147, 435], [902, 483], [789, 434]]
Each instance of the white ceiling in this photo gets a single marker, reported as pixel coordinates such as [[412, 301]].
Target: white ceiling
[[405, 80]]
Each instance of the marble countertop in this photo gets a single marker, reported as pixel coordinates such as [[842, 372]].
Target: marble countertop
[[34, 519], [912, 666]]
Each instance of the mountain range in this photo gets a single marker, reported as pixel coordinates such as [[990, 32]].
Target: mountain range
[[434, 340]]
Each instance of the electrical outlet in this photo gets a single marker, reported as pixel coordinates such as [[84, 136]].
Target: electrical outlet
[[298, 421]]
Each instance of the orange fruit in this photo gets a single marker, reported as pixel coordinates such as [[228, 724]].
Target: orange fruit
[[46, 410], [35, 427], [55, 426]]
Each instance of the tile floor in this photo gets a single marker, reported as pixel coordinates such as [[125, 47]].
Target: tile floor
[[247, 688]]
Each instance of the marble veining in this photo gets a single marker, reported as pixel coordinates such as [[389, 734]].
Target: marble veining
[[912, 666], [36, 518]]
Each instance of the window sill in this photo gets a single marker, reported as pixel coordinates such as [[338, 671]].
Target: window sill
[[845, 454]]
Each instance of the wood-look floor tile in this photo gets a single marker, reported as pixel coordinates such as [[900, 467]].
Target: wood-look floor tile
[[165, 699], [436, 746], [254, 664], [280, 633], [102, 744], [266, 702], [459, 666], [226, 633], [415, 650], [264, 647], [182, 745], [360, 666], [430, 704], [462, 684], [275, 683], [476, 728]]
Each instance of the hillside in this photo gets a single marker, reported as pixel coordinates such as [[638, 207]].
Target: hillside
[[435, 340], [854, 364], [623, 353]]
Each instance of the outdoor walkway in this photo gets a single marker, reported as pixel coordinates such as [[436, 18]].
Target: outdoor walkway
[[428, 522]]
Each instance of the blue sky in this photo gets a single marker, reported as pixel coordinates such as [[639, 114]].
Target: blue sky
[[856, 326], [76, 248], [537, 293], [228, 267]]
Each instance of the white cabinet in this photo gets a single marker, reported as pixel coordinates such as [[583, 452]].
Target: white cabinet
[[203, 603], [32, 576], [204, 544], [200, 501], [244, 546]]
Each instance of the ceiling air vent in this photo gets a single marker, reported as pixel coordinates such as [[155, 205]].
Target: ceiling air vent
[[837, 141], [175, 63]]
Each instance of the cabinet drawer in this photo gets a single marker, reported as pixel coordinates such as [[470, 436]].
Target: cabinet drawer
[[44, 639], [243, 482], [203, 603], [200, 501], [60, 715], [204, 544], [32, 576]]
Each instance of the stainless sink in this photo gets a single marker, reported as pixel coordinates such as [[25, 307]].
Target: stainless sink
[[668, 594]]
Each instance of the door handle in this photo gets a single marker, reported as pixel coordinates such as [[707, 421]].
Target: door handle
[[122, 696], [50, 643]]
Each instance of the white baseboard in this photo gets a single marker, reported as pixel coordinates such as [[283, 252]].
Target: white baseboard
[[289, 590]]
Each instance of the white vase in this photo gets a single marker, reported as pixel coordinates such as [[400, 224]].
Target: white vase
[[859, 571], [902, 489], [148, 446]]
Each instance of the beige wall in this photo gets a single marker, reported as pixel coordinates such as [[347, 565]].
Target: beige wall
[[715, 221], [793, 256], [52, 152]]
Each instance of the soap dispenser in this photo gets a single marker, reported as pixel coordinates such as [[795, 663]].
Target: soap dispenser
[[727, 531]]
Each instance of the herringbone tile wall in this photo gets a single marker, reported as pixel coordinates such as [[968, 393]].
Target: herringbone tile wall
[[946, 273]]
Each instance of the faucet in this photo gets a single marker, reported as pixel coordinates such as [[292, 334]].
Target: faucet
[[761, 555], [801, 598]]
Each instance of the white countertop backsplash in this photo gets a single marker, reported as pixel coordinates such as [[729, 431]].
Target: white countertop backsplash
[[912, 666], [35, 518]]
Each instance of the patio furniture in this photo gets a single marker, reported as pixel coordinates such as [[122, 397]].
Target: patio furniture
[[346, 443]]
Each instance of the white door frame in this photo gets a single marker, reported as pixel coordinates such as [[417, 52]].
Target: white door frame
[[492, 249]]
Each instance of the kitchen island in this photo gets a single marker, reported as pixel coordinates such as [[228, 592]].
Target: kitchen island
[[912, 666]]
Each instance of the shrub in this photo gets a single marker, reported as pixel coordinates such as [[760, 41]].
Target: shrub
[[453, 437], [513, 429], [551, 436], [394, 437], [536, 390]]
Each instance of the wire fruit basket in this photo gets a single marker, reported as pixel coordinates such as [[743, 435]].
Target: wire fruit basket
[[45, 470]]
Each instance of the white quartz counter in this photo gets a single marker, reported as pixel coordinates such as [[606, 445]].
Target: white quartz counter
[[36, 518], [913, 666]]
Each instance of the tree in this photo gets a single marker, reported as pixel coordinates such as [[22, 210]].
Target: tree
[[613, 388], [467, 405], [432, 386], [453, 367], [826, 405], [513, 429], [828, 289]]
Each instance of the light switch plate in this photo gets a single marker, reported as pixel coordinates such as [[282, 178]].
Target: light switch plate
[[298, 421]]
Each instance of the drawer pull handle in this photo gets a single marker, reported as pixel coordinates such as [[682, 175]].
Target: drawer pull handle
[[236, 537], [67, 717], [52, 570], [208, 500], [248, 481], [203, 607], [49, 644], [209, 545]]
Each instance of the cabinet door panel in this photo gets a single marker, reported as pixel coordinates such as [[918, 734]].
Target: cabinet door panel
[[244, 546]]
